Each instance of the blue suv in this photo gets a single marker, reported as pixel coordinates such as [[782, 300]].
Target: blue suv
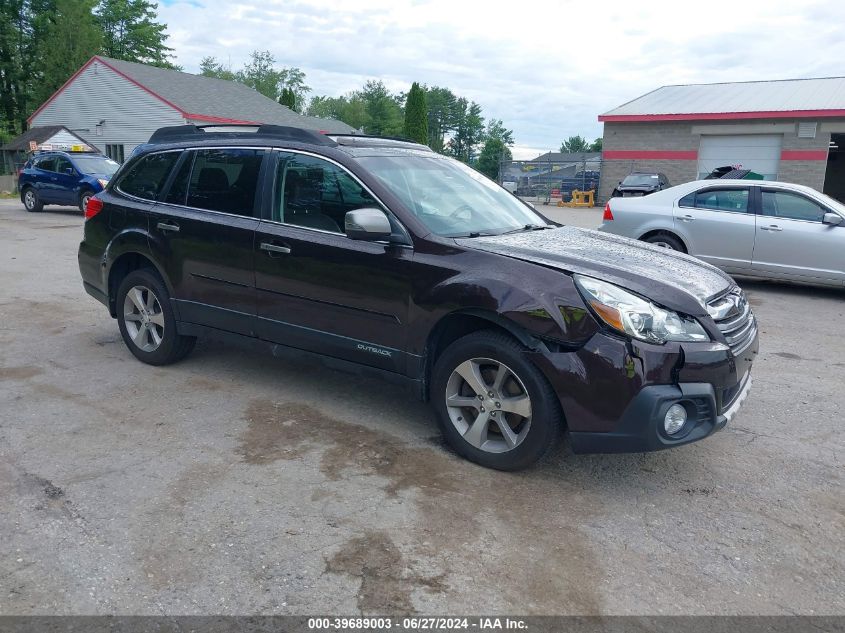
[[64, 178]]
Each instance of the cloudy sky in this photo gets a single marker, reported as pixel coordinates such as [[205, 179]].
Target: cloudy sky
[[547, 68]]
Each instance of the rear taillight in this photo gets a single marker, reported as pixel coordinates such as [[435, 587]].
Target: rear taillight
[[608, 214], [94, 206]]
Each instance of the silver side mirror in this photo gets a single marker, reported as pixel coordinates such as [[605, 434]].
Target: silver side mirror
[[833, 219], [367, 224]]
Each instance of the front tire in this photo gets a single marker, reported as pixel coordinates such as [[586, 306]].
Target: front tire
[[494, 407], [146, 321], [32, 201]]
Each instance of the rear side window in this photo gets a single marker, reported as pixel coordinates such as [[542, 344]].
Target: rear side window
[[47, 164], [179, 187], [146, 178], [783, 204], [225, 180], [735, 200]]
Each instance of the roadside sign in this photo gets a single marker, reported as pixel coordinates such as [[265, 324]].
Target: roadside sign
[[33, 146]]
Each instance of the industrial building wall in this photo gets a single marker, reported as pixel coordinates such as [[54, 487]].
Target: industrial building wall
[[666, 147], [97, 93], [672, 147]]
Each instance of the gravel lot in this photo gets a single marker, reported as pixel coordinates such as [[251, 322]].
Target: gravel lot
[[234, 483]]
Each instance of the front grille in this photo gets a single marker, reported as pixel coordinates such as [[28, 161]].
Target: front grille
[[732, 315]]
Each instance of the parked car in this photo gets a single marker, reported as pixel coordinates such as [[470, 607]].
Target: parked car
[[384, 257], [64, 178], [640, 183], [772, 230]]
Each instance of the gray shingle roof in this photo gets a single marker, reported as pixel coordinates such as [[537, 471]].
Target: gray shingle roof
[[218, 98], [37, 134]]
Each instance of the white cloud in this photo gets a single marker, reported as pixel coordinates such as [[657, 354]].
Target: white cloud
[[547, 68]]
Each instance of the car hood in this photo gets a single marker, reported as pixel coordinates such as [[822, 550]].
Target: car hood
[[671, 279]]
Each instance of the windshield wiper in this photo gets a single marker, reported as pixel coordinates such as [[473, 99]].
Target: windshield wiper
[[528, 227], [472, 234]]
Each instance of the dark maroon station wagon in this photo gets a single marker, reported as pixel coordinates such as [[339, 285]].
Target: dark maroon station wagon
[[383, 256]]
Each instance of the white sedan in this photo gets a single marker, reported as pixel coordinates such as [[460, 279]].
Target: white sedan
[[755, 228]]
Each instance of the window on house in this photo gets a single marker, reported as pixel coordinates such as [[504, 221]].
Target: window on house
[[115, 152]]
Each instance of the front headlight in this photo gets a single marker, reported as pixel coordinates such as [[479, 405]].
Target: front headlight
[[635, 316]]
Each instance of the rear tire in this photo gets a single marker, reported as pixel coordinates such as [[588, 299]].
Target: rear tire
[[32, 201], [517, 419], [666, 241], [146, 321]]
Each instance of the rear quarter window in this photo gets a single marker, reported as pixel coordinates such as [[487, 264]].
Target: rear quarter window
[[146, 178]]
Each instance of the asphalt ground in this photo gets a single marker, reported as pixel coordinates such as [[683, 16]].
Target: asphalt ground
[[237, 483]]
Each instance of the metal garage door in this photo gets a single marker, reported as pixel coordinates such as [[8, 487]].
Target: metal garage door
[[757, 152]]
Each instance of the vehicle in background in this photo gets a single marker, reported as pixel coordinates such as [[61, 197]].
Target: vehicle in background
[[64, 178], [733, 173], [384, 257], [640, 183], [772, 230]]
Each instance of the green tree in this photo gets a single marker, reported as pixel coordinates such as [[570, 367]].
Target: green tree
[[210, 67], [416, 115], [293, 80], [496, 149], [440, 104], [596, 146], [574, 144], [288, 98], [348, 108], [22, 26], [132, 33], [468, 130], [71, 22], [261, 75], [383, 112]]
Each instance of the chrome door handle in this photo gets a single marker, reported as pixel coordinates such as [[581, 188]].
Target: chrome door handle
[[771, 227], [687, 218], [272, 248], [165, 226]]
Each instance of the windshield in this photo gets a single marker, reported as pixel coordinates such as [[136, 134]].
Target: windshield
[[640, 180], [451, 199], [96, 165]]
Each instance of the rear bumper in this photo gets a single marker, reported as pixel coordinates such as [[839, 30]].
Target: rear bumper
[[90, 268]]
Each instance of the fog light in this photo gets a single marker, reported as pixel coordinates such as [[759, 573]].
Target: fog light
[[675, 419]]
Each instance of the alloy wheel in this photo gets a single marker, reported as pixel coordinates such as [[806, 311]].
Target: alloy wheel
[[144, 318], [29, 199], [662, 244], [488, 404]]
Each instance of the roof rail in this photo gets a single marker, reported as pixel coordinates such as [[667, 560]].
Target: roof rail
[[368, 140], [176, 133]]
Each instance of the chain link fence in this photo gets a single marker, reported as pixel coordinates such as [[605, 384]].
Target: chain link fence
[[550, 181]]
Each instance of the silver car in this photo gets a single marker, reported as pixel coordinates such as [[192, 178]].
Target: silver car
[[773, 230]]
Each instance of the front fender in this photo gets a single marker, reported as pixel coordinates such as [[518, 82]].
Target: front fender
[[541, 302]]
